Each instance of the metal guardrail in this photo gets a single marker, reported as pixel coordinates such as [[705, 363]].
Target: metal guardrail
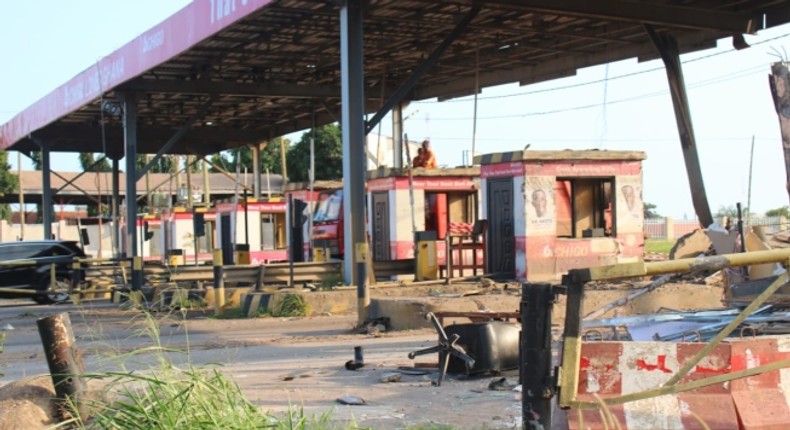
[[393, 267], [271, 273]]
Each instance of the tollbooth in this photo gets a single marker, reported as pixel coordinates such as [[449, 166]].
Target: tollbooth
[[324, 205], [433, 201], [551, 211], [252, 229]]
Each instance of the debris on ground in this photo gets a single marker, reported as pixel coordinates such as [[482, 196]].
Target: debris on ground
[[391, 377], [351, 400], [375, 326], [501, 384], [696, 326]]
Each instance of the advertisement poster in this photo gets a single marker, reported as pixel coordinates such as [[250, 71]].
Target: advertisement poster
[[630, 207], [539, 196]]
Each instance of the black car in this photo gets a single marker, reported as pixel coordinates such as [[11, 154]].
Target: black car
[[43, 253]]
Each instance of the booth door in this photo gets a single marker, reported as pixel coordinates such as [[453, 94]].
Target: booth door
[[501, 240], [381, 226]]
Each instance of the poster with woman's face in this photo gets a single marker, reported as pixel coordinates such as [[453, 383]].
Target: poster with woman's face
[[540, 205], [630, 206]]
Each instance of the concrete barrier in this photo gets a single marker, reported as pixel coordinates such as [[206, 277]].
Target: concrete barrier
[[611, 369]]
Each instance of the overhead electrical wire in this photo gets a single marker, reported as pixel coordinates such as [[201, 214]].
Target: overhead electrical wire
[[711, 81], [595, 81]]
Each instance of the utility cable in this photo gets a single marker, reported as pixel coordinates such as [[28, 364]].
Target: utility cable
[[596, 81]]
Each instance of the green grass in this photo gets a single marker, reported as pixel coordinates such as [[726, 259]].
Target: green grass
[[658, 245], [238, 313]]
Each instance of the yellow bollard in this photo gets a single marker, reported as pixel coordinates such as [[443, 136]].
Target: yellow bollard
[[219, 284]]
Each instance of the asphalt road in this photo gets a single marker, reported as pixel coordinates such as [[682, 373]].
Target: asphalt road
[[280, 363]]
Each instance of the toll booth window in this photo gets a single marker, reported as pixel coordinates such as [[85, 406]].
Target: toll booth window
[[441, 209], [462, 207], [154, 244], [206, 243], [433, 211], [329, 204], [272, 231], [584, 207]]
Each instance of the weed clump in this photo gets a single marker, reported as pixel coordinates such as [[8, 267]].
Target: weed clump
[[293, 305], [170, 398], [165, 396]]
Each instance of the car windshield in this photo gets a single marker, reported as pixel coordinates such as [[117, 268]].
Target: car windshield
[[22, 250], [328, 207]]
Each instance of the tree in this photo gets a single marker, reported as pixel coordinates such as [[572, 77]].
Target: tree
[[220, 160], [328, 155], [783, 211], [650, 211], [270, 157], [87, 160], [8, 184], [165, 164], [38, 164], [731, 212], [35, 157]]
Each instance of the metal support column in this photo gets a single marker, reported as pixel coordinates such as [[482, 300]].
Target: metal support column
[[256, 170], [397, 135], [116, 202], [780, 90], [668, 48], [130, 145], [353, 126], [46, 192], [536, 378]]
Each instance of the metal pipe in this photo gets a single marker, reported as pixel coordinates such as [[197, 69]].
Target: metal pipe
[[291, 246], [206, 187], [246, 220], [189, 181], [353, 128], [46, 192], [312, 188], [668, 49], [474, 115], [363, 293], [22, 211], [219, 283], [116, 201], [535, 367], [397, 135], [712, 263], [256, 170], [130, 145]]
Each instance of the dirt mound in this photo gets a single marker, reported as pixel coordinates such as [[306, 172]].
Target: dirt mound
[[27, 404]]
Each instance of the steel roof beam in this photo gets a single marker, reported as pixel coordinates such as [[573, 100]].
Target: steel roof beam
[[176, 137], [64, 132], [642, 13], [234, 89], [429, 62]]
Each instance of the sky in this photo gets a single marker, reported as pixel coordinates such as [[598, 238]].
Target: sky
[[620, 106]]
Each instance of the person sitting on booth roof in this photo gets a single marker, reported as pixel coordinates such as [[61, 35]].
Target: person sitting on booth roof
[[428, 158], [418, 160]]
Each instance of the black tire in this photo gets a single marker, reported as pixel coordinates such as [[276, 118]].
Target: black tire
[[60, 294]]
